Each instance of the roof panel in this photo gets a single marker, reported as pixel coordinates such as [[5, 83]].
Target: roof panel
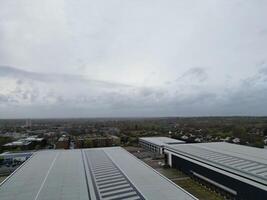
[[70, 174], [145, 179]]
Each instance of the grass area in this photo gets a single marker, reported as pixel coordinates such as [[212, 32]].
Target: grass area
[[2, 178], [198, 190], [181, 179], [171, 173]]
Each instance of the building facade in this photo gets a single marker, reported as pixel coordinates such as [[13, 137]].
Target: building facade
[[238, 171], [156, 144]]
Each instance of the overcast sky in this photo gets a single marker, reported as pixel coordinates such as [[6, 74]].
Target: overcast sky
[[132, 58]]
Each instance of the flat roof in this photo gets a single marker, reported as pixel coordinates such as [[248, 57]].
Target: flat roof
[[99, 173], [250, 163], [18, 143], [161, 141], [14, 155]]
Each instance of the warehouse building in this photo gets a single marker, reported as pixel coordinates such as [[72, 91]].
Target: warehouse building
[[239, 171], [29, 143], [156, 144], [16, 156], [99, 174]]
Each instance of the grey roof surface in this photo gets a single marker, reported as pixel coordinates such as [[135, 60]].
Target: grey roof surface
[[100, 173], [248, 162], [161, 141], [48, 175]]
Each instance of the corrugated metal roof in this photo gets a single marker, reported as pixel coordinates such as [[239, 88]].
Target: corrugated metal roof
[[48, 175], [247, 162], [101, 173], [108, 180]]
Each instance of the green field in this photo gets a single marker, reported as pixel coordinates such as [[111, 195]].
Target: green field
[[199, 191], [2, 178], [182, 180], [171, 173]]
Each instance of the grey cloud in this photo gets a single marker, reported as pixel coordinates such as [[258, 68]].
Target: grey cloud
[[250, 102], [21, 75], [19, 82], [249, 98], [82, 91], [263, 73], [119, 100], [6, 99], [3, 98], [6, 71], [196, 73], [260, 77], [122, 58]]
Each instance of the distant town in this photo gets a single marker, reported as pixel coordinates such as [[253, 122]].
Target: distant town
[[35, 134], [145, 138]]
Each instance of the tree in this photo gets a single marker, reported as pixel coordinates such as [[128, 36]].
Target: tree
[[4, 140], [239, 131], [88, 144]]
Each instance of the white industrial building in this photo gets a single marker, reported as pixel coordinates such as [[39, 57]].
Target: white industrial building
[[238, 170], [156, 144]]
